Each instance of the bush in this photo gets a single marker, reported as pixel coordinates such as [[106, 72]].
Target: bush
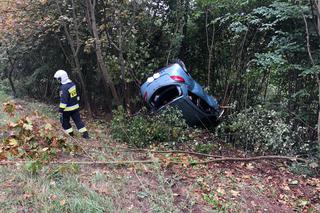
[[266, 131], [143, 130]]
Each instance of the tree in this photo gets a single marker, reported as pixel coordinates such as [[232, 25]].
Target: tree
[[72, 33]]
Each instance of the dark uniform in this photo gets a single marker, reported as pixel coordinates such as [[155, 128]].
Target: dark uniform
[[69, 107]]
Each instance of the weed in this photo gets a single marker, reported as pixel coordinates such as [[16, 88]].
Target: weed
[[217, 205], [98, 177], [204, 148], [301, 169]]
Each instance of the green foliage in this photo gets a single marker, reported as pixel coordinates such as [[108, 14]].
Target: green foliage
[[143, 130], [265, 131], [33, 167], [204, 148], [4, 91], [216, 204], [302, 169]]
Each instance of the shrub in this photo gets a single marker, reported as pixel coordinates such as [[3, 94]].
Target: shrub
[[143, 130], [266, 131]]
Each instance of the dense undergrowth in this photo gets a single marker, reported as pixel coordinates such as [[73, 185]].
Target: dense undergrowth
[[261, 130], [257, 131], [40, 186], [143, 130]]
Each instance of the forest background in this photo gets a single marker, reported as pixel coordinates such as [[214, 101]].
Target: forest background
[[260, 57]]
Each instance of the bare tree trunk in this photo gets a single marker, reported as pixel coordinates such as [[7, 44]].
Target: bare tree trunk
[[312, 61], [103, 69], [126, 98], [12, 64], [210, 45], [318, 78]]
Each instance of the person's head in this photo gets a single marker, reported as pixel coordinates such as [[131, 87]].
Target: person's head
[[62, 77]]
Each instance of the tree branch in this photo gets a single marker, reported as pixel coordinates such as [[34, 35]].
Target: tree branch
[[221, 160], [4, 163], [259, 158], [173, 152]]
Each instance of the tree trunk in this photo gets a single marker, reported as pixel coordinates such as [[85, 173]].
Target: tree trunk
[[12, 64], [210, 45], [75, 47], [123, 74], [318, 78], [317, 7], [83, 86], [103, 69]]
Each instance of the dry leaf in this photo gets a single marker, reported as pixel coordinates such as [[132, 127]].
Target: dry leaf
[[234, 193], [53, 197], [250, 166], [27, 195], [62, 202], [13, 142], [246, 177], [221, 191], [285, 187]]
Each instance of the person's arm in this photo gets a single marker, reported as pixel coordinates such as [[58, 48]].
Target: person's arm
[[63, 99]]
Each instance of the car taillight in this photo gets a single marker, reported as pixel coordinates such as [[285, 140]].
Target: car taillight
[[145, 96], [177, 78]]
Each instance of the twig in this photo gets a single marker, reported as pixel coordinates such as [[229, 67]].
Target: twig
[[226, 107], [80, 145]]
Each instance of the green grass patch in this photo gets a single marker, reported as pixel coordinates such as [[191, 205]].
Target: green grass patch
[[41, 193]]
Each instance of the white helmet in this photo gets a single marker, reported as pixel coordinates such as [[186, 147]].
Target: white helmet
[[62, 76]]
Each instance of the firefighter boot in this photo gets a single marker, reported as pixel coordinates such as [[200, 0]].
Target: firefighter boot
[[85, 135]]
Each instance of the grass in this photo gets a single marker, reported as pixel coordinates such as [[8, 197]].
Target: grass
[[3, 98], [102, 192], [41, 193]]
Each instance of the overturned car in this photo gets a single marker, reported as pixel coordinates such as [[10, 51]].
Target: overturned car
[[174, 86]]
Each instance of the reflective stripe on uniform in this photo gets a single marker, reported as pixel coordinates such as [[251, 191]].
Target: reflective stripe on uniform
[[72, 88], [62, 105], [72, 91], [82, 130], [78, 98], [69, 130], [71, 108]]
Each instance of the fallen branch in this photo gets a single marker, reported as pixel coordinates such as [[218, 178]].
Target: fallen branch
[[270, 157], [221, 160], [3, 163], [173, 152]]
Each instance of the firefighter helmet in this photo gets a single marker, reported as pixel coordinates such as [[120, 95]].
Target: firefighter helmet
[[62, 76]]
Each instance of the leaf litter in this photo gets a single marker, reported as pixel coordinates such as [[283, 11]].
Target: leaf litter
[[257, 186]]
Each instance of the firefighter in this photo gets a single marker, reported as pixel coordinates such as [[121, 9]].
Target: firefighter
[[69, 106]]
